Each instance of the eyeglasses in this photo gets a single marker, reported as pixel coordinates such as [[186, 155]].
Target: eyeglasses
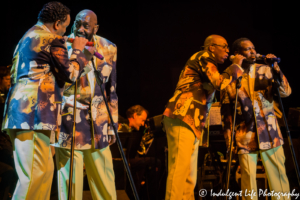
[[225, 46]]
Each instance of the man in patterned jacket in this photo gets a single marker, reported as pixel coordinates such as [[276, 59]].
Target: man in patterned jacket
[[186, 112], [94, 131], [40, 68], [257, 130]]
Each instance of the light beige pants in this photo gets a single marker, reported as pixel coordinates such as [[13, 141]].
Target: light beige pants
[[33, 162], [99, 169], [273, 161], [182, 160]]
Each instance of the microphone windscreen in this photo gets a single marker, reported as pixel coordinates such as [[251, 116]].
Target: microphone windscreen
[[231, 57], [98, 55], [258, 56]]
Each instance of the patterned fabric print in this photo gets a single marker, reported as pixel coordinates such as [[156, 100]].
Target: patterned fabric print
[[40, 69], [195, 92], [92, 124], [256, 123]]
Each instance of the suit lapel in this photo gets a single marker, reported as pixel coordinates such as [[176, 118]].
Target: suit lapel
[[252, 81], [97, 43]]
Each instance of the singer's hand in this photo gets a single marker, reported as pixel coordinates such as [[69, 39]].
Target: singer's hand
[[66, 39], [276, 67], [111, 139], [238, 59], [89, 52], [79, 43]]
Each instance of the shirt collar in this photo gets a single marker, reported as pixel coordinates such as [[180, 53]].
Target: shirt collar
[[43, 26]]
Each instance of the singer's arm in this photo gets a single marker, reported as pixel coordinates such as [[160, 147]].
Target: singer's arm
[[209, 66], [65, 68], [284, 88]]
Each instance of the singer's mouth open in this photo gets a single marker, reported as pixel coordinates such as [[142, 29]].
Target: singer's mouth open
[[80, 35]]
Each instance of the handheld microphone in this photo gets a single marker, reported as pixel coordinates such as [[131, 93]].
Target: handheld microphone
[[262, 57], [231, 57], [98, 55], [71, 40], [259, 57]]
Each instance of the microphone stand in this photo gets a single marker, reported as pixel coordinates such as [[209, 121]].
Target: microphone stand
[[72, 145], [277, 84], [100, 82], [238, 86], [74, 127]]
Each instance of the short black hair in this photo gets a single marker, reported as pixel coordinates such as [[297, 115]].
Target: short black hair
[[53, 11], [138, 109], [5, 71], [236, 46]]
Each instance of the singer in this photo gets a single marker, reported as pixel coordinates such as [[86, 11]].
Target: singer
[[257, 129], [94, 131], [186, 112], [32, 112]]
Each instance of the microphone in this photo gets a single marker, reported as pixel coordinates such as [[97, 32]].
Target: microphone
[[91, 44], [259, 57], [262, 57], [98, 55], [71, 40], [231, 57]]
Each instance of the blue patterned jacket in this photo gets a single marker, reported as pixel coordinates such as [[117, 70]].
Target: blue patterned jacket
[[40, 69], [256, 124], [92, 121]]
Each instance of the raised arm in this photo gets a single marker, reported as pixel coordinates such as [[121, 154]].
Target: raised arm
[[68, 69], [209, 67]]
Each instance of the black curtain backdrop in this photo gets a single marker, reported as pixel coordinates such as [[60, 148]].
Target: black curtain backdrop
[[155, 39]]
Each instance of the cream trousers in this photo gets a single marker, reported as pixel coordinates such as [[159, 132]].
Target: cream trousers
[[273, 161], [33, 162], [183, 148], [99, 169]]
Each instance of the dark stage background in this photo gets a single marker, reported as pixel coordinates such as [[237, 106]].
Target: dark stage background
[[155, 39]]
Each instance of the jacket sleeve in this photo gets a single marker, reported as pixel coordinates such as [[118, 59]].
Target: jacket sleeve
[[67, 69], [208, 66], [284, 87], [113, 98]]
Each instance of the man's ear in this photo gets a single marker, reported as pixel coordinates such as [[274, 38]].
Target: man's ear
[[56, 24], [211, 48], [96, 29], [134, 115]]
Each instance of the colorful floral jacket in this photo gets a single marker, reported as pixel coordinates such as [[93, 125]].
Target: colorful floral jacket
[[92, 120], [194, 93], [256, 124], [40, 69]]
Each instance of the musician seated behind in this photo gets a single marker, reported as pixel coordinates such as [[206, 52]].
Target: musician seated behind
[[136, 117]]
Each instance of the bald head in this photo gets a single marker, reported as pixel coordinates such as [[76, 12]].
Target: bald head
[[217, 45], [212, 39], [85, 24], [87, 14]]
